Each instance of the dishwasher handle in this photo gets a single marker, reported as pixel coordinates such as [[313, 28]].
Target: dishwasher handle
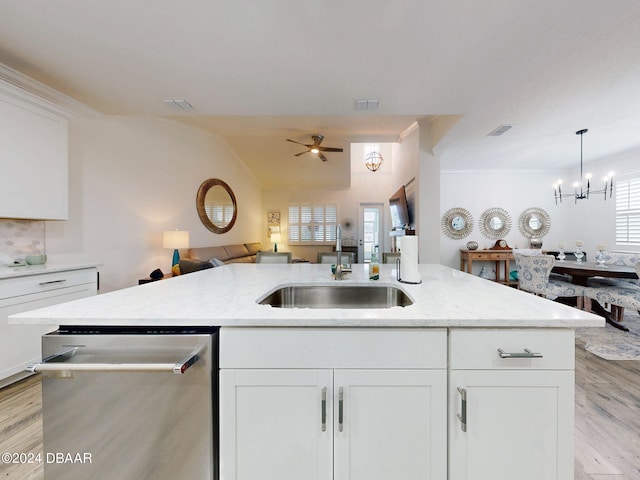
[[47, 365]]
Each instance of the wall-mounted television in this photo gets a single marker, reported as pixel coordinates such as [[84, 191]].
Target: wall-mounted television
[[399, 210]]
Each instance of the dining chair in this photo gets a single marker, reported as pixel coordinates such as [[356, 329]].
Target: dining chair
[[390, 257], [534, 276], [332, 257], [273, 257], [620, 294], [622, 259]]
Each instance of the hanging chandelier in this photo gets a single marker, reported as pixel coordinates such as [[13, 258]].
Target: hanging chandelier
[[373, 161], [579, 190]]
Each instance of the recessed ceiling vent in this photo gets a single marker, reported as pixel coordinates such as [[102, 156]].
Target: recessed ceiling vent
[[179, 104], [499, 131], [366, 104]]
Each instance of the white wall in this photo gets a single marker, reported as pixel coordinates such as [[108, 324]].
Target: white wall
[[131, 178]]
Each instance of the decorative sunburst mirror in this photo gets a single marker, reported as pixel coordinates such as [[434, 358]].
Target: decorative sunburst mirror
[[457, 223], [534, 222], [495, 223]]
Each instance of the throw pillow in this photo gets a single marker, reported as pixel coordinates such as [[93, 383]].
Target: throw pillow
[[216, 263]]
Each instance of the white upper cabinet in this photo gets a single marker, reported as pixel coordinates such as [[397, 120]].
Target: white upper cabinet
[[34, 159]]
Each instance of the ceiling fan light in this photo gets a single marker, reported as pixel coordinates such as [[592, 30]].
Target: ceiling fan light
[[314, 150]]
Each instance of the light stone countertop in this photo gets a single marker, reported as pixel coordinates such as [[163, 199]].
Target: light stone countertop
[[226, 296], [49, 267]]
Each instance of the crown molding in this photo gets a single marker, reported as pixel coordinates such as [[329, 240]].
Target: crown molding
[[407, 131], [17, 85]]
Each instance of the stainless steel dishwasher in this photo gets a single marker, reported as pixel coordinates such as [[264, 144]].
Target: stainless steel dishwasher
[[130, 403]]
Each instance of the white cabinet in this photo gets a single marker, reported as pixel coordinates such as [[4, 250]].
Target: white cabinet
[[21, 344], [271, 424], [511, 417], [392, 425], [374, 404], [347, 417], [34, 160]]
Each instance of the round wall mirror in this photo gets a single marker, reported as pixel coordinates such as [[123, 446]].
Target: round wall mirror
[[534, 222], [495, 223], [216, 205], [457, 223]]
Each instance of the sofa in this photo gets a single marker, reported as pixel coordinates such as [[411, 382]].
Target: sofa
[[208, 257]]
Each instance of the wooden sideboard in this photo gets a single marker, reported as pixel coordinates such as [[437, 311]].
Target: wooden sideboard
[[467, 257]]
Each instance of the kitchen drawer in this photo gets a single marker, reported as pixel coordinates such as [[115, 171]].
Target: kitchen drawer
[[30, 284], [477, 349], [388, 348]]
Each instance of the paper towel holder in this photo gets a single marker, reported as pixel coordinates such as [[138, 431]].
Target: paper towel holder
[[398, 274]]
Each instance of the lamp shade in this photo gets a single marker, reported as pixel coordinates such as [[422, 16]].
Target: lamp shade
[[175, 239], [276, 237]]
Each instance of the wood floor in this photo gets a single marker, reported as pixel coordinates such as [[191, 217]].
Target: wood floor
[[607, 418], [21, 428], [607, 421]]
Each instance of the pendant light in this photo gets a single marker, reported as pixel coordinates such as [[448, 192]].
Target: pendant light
[[579, 190], [373, 161]]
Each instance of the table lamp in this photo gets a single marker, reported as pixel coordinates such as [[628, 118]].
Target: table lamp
[[175, 239], [275, 238]]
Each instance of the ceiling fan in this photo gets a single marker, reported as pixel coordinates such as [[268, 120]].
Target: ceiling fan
[[316, 148]]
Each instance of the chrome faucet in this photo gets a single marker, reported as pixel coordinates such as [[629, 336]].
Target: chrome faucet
[[338, 273]]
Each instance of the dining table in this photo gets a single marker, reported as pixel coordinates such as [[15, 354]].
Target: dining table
[[581, 272]]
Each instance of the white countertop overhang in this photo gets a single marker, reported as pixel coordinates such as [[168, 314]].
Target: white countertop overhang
[[226, 296]]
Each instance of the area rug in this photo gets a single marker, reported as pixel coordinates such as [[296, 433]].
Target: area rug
[[609, 342]]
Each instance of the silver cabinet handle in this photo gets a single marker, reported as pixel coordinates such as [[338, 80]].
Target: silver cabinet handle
[[340, 409], [324, 409], [526, 354], [52, 282], [462, 416], [177, 368]]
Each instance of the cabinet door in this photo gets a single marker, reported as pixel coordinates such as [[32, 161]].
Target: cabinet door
[[519, 425], [35, 161], [393, 424], [274, 424]]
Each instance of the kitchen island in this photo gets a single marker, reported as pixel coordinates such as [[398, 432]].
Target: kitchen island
[[473, 380]]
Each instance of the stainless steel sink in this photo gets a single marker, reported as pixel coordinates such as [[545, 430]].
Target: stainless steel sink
[[338, 296]]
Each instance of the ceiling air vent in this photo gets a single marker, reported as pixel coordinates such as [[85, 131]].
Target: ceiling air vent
[[500, 130], [366, 104], [177, 104]]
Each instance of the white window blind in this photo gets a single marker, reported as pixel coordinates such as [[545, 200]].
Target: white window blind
[[312, 224], [219, 214], [628, 212]]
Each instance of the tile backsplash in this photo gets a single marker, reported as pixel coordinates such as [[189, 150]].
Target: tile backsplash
[[19, 238]]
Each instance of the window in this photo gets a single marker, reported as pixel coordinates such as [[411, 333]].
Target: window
[[312, 224], [628, 212]]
